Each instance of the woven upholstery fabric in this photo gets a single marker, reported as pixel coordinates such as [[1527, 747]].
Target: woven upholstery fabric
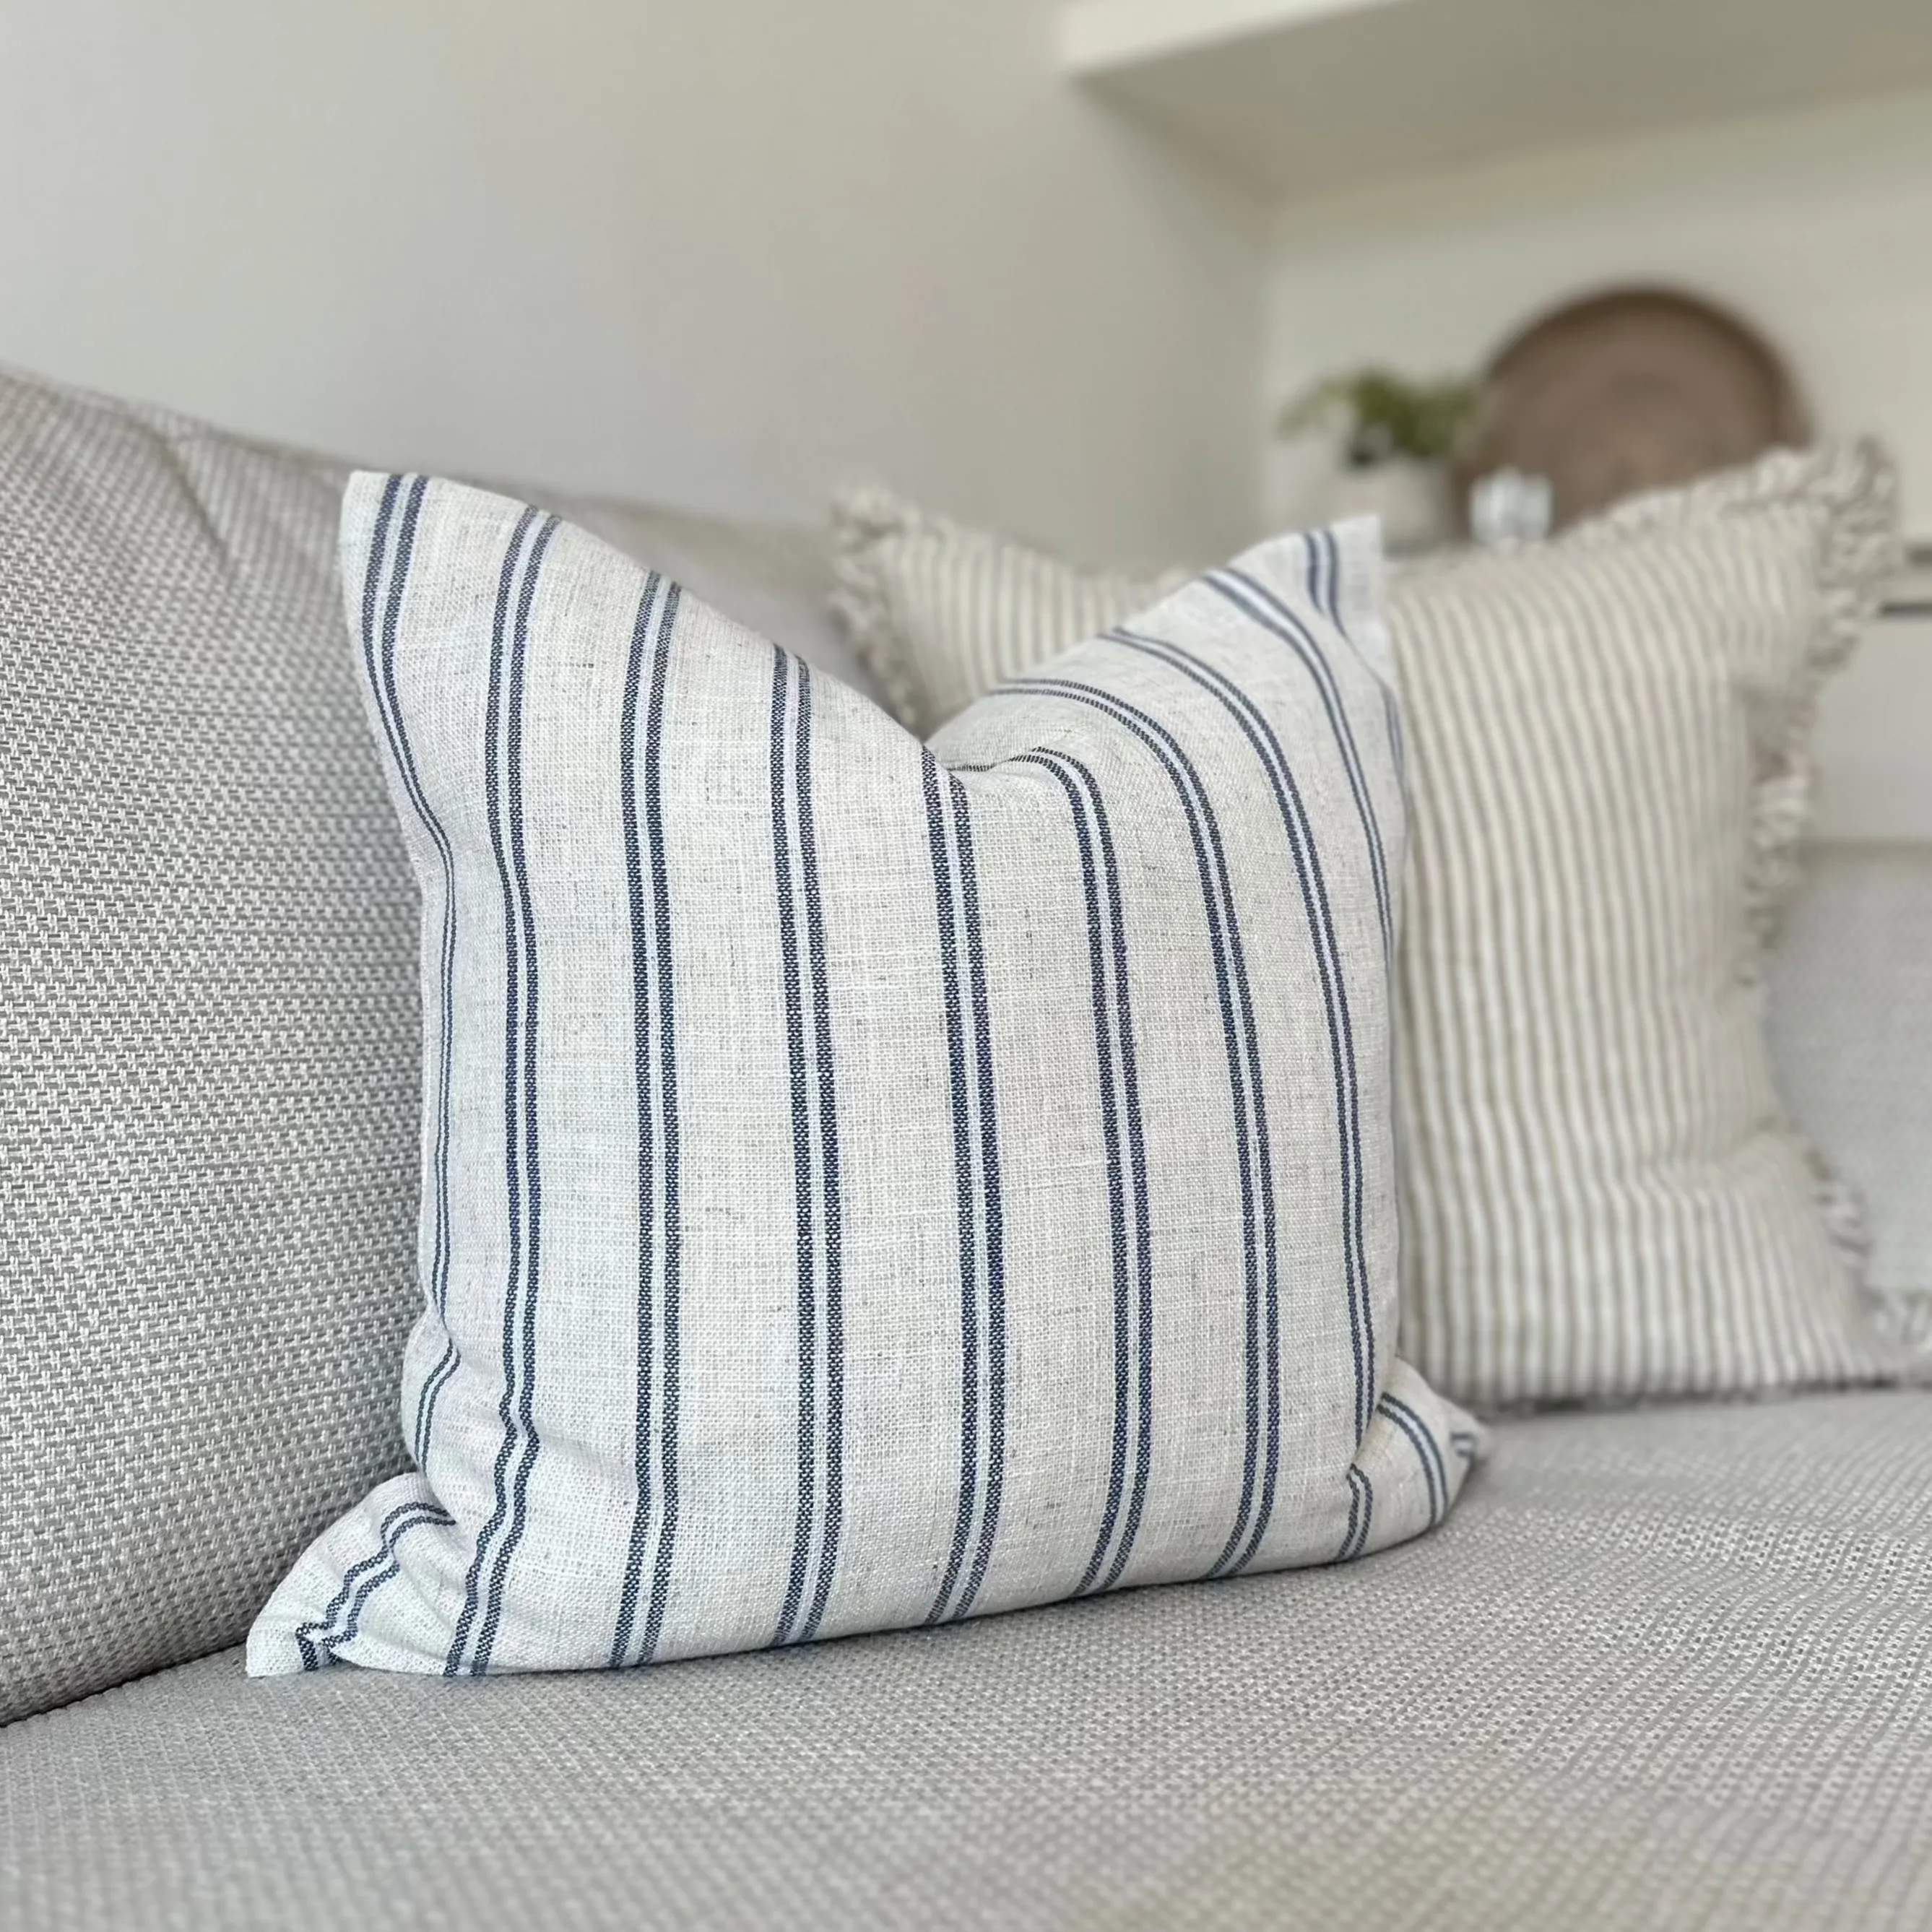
[[1662, 1670], [209, 1070], [1609, 769], [865, 1185], [1851, 1037]]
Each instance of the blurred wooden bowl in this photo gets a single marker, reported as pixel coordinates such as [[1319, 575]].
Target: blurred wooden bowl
[[1632, 389]]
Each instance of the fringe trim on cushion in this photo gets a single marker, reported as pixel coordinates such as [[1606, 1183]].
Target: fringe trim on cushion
[[867, 526], [1905, 1316], [1851, 491], [1842, 1208], [863, 521]]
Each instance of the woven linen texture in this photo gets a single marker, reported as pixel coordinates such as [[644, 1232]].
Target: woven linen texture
[[208, 1071], [1663, 1670], [1608, 740], [867, 1185]]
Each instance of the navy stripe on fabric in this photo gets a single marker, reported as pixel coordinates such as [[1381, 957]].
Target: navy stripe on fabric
[[316, 1626], [1261, 607], [1126, 1167], [1320, 585], [654, 1048], [1141, 1193], [378, 647], [642, 1041], [831, 1196], [1434, 1449], [510, 1408], [389, 1572], [1435, 1475], [991, 1211], [1361, 1515], [1298, 829], [1254, 1159], [944, 893], [671, 1226], [805, 1192], [815, 1157], [669, 1134], [513, 768], [1098, 958], [1355, 1515], [315, 1639]]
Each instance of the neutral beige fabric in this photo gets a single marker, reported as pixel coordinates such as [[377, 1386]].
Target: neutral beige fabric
[[1608, 743], [1665, 1671], [1610, 739]]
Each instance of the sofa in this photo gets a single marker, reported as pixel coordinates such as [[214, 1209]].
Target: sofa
[[1667, 1666]]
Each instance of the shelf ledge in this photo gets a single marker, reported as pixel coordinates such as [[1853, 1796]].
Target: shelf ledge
[[1302, 96], [1098, 36]]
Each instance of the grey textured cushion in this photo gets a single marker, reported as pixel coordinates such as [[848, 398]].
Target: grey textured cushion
[[1660, 1670], [1851, 1036], [209, 1068]]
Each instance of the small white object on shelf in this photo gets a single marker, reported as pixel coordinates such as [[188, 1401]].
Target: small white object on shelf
[[1510, 506]]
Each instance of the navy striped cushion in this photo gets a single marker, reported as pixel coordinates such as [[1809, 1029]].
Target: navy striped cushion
[[867, 1184]]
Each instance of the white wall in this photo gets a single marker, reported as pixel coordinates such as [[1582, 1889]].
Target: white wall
[[1818, 226], [722, 252]]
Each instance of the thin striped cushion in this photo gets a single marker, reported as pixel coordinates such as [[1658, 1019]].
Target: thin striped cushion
[[865, 1185], [1000, 608], [1608, 740]]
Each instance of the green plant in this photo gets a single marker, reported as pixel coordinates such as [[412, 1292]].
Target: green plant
[[1382, 416]]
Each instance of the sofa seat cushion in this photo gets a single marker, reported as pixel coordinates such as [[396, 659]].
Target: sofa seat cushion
[[1662, 1668]]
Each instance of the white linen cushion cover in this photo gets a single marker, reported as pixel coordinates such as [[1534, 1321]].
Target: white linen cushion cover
[[1609, 765], [865, 1185]]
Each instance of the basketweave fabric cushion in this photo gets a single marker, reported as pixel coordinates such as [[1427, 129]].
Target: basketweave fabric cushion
[[207, 1067], [867, 1185], [1608, 772], [210, 1065], [1663, 1670]]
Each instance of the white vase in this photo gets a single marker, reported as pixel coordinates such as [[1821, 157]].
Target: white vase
[[1412, 499]]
